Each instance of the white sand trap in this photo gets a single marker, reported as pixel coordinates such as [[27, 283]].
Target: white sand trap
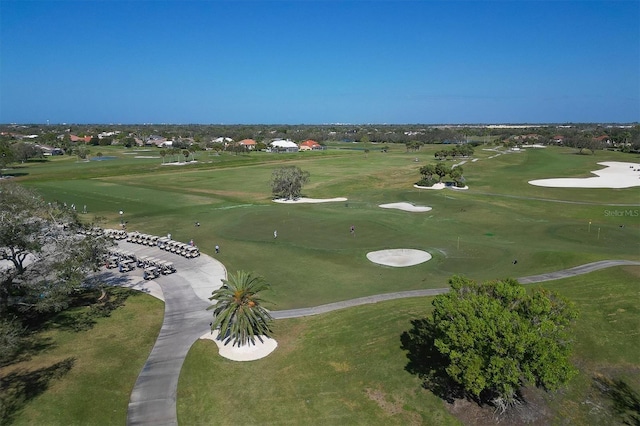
[[398, 257], [616, 175], [179, 164], [441, 185], [308, 200], [406, 207], [438, 185], [248, 352]]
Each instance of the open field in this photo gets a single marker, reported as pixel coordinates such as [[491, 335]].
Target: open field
[[336, 368], [359, 376], [315, 260]]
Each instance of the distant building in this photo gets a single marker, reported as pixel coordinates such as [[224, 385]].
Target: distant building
[[310, 145], [85, 139], [249, 144], [282, 145]]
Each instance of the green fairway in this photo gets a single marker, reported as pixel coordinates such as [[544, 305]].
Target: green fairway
[[337, 368], [315, 260], [347, 366]]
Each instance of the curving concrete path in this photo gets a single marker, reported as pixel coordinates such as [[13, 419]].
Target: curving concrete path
[[153, 398]]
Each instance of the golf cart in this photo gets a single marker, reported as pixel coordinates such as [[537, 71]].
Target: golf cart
[[127, 265], [150, 273]]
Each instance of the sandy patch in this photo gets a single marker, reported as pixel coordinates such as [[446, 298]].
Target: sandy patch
[[615, 175], [438, 185], [406, 207], [179, 164], [308, 200], [147, 156], [441, 185], [248, 352], [398, 257]]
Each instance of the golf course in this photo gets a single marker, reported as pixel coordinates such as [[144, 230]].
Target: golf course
[[347, 366]]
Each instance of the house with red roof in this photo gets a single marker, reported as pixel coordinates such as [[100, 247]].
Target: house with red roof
[[85, 139], [310, 145], [249, 144]]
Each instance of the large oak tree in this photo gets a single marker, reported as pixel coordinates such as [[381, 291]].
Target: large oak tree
[[491, 339]]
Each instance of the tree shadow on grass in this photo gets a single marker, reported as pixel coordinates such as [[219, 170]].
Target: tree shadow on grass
[[624, 399], [83, 318], [27, 347], [428, 363], [20, 386]]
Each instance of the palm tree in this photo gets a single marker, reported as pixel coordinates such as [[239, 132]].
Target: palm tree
[[237, 310]]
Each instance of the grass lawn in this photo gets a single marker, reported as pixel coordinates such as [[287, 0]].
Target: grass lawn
[[81, 377], [477, 233], [359, 376], [347, 367]]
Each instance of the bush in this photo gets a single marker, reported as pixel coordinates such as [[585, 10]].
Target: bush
[[426, 182]]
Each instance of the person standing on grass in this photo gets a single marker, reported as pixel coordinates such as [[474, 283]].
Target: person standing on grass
[[275, 234], [353, 230]]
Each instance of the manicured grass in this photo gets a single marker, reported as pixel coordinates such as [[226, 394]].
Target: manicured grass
[[347, 367], [344, 367], [607, 345], [82, 377], [315, 260], [341, 368]]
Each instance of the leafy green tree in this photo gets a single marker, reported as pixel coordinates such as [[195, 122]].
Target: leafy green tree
[[238, 312], [287, 182], [456, 176], [7, 156], [495, 337], [441, 170], [49, 259]]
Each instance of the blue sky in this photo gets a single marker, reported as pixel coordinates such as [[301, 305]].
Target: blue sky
[[311, 62]]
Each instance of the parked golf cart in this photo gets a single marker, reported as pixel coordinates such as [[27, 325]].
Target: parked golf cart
[[166, 268], [150, 273], [127, 265]]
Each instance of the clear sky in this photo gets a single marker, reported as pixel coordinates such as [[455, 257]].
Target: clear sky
[[312, 62]]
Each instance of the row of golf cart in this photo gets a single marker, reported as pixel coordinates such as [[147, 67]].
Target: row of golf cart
[[165, 243], [115, 234], [127, 261], [154, 267], [124, 260], [186, 250], [143, 239]]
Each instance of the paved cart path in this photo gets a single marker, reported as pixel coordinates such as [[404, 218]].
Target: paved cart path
[[153, 399]]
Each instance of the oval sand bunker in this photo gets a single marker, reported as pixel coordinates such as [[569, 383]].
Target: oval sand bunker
[[398, 257]]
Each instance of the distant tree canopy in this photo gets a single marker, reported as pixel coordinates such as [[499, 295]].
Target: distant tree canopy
[[493, 338], [287, 182], [434, 173]]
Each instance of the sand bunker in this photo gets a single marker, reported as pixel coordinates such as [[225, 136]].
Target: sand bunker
[[398, 257], [616, 175], [441, 185], [438, 185], [248, 352], [406, 207], [308, 200]]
